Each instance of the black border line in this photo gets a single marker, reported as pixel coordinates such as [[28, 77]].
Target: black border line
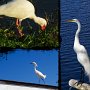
[[59, 62]]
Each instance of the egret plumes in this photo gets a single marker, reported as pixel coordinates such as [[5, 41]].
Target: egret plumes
[[22, 9], [80, 50], [38, 73]]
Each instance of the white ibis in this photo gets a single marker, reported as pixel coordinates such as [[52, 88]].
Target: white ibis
[[38, 73], [22, 9], [80, 50]]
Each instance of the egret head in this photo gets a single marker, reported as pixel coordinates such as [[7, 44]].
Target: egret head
[[34, 63], [73, 20]]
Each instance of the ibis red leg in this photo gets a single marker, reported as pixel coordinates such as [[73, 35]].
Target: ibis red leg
[[18, 24]]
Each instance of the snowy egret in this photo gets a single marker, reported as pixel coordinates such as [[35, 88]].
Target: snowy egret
[[22, 9], [38, 73], [80, 50]]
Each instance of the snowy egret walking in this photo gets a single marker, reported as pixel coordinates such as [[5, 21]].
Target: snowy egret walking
[[38, 73], [80, 50], [22, 9]]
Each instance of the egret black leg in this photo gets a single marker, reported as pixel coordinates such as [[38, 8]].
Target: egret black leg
[[43, 80], [82, 75], [39, 80]]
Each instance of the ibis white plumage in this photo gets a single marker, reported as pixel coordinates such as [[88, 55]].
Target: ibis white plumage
[[22, 9], [38, 73], [80, 50]]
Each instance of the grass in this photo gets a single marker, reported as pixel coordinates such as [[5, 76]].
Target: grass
[[35, 40]]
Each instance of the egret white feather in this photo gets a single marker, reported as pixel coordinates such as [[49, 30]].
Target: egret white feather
[[38, 73], [80, 50]]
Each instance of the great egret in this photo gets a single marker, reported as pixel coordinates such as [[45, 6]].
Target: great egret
[[22, 9], [38, 73], [80, 50]]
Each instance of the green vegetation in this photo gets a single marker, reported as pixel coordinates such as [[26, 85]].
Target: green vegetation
[[35, 40]]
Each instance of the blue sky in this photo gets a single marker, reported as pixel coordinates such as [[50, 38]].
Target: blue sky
[[18, 66]]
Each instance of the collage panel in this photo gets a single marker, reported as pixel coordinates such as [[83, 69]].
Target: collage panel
[[29, 24], [75, 46], [27, 66]]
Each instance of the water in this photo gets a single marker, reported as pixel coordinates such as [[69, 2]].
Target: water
[[70, 9]]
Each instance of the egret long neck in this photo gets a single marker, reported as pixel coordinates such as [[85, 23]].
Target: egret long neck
[[78, 30], [77, 33], [35, 68]]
